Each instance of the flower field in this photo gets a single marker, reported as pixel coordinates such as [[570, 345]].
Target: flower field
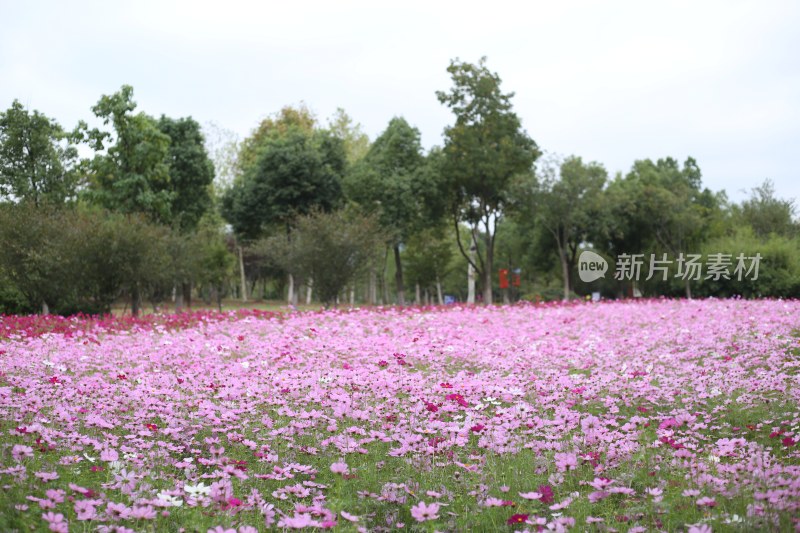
[[626, 416]]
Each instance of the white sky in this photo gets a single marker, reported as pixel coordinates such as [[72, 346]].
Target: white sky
[[610, 81]]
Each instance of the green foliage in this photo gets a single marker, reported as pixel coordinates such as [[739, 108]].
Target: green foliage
[[37, 160], [296, 173], [384, 181], [84, 260], [287, 118], [778, 271], [356, 142], [768, 215], [32, 244], [566, 200], [428, 255], [329, 248], [132, 176], [191, 172], [484, 150]]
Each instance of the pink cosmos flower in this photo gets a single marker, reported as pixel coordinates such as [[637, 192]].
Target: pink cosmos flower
[[85, 510], [56, 522], [422, 512], [340, 468], [706, 502], [20, 452]]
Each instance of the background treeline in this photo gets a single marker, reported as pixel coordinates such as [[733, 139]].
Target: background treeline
[[147, 210]]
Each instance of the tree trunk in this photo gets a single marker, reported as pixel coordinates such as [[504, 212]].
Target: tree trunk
[[471, 277], [186, 289], [565, 273], [417, 298], [309, 291], [291, 297], [243, 279], [178, 298], [372, 291], [45, 308], [688, 289], [398, 276], [488, 270], [136, 300], [353, 295], [439, 291], [384, 285]]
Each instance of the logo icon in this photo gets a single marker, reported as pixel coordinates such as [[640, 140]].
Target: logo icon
[[591, 266]]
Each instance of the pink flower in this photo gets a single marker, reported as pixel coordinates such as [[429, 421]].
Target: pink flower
[[46, 476], [706, 502], [56, 522], [85, 510], [422, 512], [566, 461], [340, 468], [109, 455], [20, 452], [699, 528], [530, 495], [298, 521], [348, 516]]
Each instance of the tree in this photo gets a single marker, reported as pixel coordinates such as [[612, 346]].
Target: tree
[[288, 118], [484, 150], [565, 199], [661, 203], [32, 242], [330, 248], [37, 159], [132, 176], [223, 147], [767, 214], [191, 172], [295, 174], [356, 142], [428, 256], [385, 182], [297, 171]]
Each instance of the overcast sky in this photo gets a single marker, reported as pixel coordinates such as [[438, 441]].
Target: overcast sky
[[608, 81]]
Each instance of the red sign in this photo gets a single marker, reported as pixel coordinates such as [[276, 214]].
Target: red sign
[[503, 278]]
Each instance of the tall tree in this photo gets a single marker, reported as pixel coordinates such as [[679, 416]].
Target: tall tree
[[191, 172], [37, 160], [132, 175], [296, 171], [767, 214], [566, 200], [664, 204], [484, 150], [356, 142], [385, 182], [330, 248], [288, 118]]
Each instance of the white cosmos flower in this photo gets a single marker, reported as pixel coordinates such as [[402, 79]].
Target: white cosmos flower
[[197, 490], [172, 500]]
